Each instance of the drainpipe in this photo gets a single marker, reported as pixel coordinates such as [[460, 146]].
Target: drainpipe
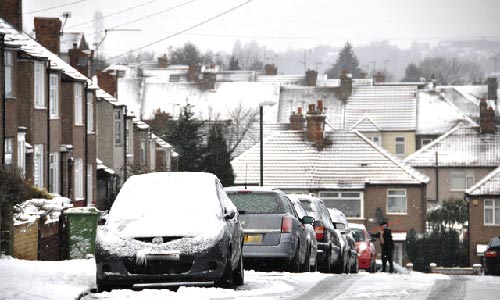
[[86, 145], [124, 144], [437, 177], [2, 78], [48, 124]]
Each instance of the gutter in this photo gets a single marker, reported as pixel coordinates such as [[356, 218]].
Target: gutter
[[2, 78], [86, 145], [125, 162]]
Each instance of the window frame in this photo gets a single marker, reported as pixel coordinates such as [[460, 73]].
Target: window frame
[[378, 138], [8, 154], [21, 152], [493, 207], [54, 97], [90, 112], [468, 175], [54, 159], [38, 154], [397, 196], [78, 181], [39, 85], [78, 103], [90, 184], [429, 140], [117, 124], [143, 148], [327, 196], [400, 143], [9, 74]]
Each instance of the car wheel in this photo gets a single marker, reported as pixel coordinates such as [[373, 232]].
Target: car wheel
[[226, 280], [306, 267], [295, 264], [339, 267], [239, 272], [327, 266], [371, 269], [355, 267], [102, 286]]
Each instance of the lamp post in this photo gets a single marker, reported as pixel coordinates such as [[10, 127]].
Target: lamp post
[[261, 112]]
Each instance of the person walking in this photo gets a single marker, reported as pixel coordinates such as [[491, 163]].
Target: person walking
[[387, 245]]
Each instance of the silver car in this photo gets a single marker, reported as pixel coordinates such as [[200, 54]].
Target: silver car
[[273, 232]]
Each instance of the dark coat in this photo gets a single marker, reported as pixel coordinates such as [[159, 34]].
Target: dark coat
[[388, 242]]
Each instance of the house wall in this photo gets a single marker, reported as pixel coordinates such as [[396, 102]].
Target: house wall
[[105, 130], [444, 179], [389, 138], [25, 240], [478, 232]]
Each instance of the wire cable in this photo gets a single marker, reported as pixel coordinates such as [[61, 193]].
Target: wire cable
[[114, 14], [185, 30], [58, 6]]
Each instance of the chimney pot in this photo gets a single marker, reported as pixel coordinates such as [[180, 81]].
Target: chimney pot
[[320, 105], [299, 110], [311, 108]]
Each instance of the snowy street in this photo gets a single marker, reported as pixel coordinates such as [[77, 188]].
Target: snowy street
[[75, 279]]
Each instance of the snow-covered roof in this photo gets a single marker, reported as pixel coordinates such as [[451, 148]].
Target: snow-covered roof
[[349, 162], [366, 124], [140, 124], [436, 114], [489, 185], [25, 43], [461, 146], [466, 98], [68, 39], [102, 166], [393, 108]]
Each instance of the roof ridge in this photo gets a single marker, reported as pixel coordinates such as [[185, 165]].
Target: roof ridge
[[483, 181]]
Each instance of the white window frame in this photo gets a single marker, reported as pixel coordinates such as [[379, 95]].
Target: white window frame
[[9, 74], [143, 149], [329, 196], [54, 172], [21, 152], [38, 178], [376, 140], [492, 207], [90, 112], [402, 195], [90, 184], [78, 181], [9, 151], [54, 82], [39, 85], [117, 120], [461, 174], [401, 142], [78, 103]]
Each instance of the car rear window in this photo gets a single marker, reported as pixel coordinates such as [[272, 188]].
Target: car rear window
[[358, 234], [310, 208], [257, 203], [495, 242]]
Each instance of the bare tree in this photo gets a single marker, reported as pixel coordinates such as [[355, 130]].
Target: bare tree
[[242, 119], [249, 56]]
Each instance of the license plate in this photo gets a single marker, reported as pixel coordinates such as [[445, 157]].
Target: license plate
[[166, 256], [252, 238]]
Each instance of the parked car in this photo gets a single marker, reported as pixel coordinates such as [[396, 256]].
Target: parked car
[[367, 253], [310, 236], [349, 255], [328, 255], [170, 227], [274, 235], [491, 259]]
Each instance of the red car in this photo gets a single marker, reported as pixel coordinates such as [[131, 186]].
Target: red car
[[365, 248]]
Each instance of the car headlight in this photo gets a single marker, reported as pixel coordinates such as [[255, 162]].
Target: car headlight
[[362, 247]]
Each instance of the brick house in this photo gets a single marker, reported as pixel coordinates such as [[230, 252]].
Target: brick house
[[484, 214], [343, 168]]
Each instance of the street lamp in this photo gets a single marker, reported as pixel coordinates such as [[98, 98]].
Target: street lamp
[[261, 111]]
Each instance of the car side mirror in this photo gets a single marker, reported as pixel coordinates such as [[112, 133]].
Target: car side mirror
[[307, 220], [228, 215], [103, 219]]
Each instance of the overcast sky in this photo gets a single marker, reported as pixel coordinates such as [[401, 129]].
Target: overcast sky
[[276, 24]]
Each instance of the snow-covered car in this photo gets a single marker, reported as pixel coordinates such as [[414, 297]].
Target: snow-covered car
[[170, 227], [309, 235], [272, 228], [328, 255], [491, 259], [349, 261], [367, 253]]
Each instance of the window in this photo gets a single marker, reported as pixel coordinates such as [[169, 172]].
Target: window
[[400, 145], [54, 172], [78, 165], [39, 89], [90, 112], [90, 184], [350, 203], [21, 152], [462, 179], [143, 149], [8, 62], [375, 140], [396, 201], [118, 127], [38, 166], [54, 96], [9, 150], [175, 78], [78, 102], [425, 142], [491, 211]]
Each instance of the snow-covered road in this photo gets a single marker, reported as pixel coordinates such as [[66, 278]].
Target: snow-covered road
[[76, 278]]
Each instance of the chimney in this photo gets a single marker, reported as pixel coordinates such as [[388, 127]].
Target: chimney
[[193, 73], [48, 32], [486, 118], [315, 119], [163, 62], [492, 88], [271, 69], [311, 77], [107, 82], [297, 120], [379, 77], [345, 86], [12, 12], [81, 60]]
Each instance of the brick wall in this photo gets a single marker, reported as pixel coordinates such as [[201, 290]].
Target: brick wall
[[49, 241], [26, 241], [478, 232], [107, 82], [11, 11], [48, 33]]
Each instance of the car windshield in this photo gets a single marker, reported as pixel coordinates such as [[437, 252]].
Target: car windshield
[[495, 242], [358, 234], [257, 203]]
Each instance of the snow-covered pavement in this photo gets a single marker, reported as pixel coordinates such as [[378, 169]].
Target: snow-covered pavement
[[75, 279]]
